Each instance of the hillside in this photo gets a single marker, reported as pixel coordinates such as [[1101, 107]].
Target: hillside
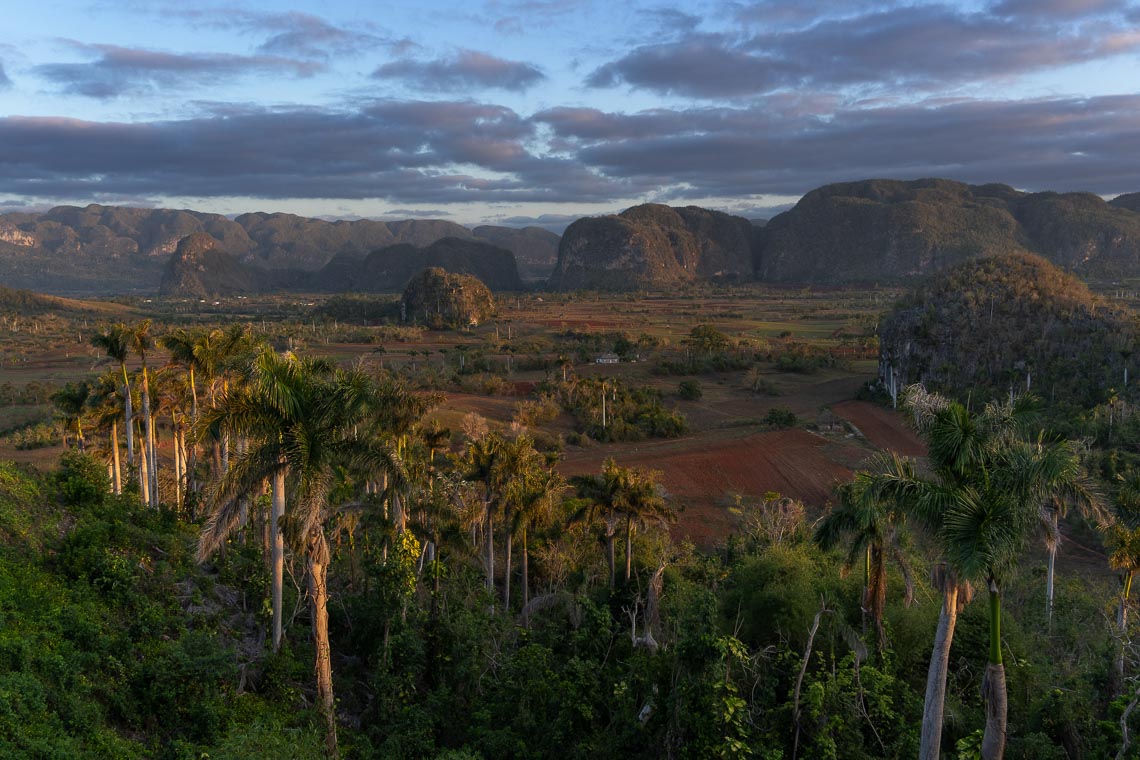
[[653, 246], [389, 269], [200, 268], [888, 230], [535, 249], [994, 323], [109, 249], [441, 299]]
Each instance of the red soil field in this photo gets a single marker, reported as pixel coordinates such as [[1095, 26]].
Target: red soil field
[[700, 472], [882, 427]]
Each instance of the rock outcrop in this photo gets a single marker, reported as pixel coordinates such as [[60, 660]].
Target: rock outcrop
[[994, 324], [653, 246], [441, 299], [200, 268], [891, 231]]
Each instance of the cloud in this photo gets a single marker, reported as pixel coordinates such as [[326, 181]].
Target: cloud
[[307, 36], [1065, 9], [429, 154], [467, 70], [410, 152], [119, 70], [5, 82], [923, 47], [1045, 144]]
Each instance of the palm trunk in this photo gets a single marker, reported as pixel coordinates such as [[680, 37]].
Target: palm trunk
[[1122, 629], [277, 552], [148, 436], [610, 553], [490, 553], [993, 685], [318, 594], [128, 413], [116, 469], [507, 576], [144, 477], [177, 471], [525, 571], [932, 710], [1055, 517], [628, 548]]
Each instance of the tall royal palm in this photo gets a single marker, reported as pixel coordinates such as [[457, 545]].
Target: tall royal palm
[[142, 342], [980, 504], [877, 534], [302, 418], [117, 345]]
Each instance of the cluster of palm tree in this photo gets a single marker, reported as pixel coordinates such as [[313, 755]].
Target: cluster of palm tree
[[989, 486]]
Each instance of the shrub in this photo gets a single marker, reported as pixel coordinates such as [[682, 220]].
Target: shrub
[[690, 390]]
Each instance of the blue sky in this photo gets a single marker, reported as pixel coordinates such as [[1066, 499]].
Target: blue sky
[[515, 111]]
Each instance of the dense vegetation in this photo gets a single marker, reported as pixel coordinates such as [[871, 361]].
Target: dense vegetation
[[445, 593], [1011, 322], [440, 299]]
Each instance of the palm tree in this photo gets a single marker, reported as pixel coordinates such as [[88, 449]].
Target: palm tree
[[303, 417], [116, 343], [478, 465], [1122, 539], [533, 499], [641, 504], [980, 505], [71, 401], [604, 498], [106, 405], [141, 341], [877, 531]]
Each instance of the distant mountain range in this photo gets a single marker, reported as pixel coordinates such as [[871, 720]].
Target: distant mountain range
[[108, 249], [874, 231]]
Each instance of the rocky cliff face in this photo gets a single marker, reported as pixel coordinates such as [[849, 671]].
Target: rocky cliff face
[[442, 299], [889, 231], [200, 268], [105, 249], [653, 246]]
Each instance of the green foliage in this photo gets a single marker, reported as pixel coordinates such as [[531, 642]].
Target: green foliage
[[690, 390], [780, 418]]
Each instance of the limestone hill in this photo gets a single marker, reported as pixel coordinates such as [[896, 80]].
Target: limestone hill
[[441, 299], [990, 324], [887, 230], [653, 246]]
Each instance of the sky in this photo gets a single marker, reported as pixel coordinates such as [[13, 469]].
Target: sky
[[540, 111]]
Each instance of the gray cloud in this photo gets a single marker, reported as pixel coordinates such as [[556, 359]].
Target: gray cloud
[[435, 153], [304, 35], [1045, 144], [1058, 8], [5, 82], [467, 70], [918, 46], [119, 70]]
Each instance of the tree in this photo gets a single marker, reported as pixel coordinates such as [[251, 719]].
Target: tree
[[533, 497], [980, 504], [141, 341], [617, 492], [877, 530], [116, 343], [71, 401]]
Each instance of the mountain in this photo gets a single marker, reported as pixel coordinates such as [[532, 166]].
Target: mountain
[[390, 268], [443, 299], [108, 249], [889, 230], [1130, 201], [200, 268], [990, 324], [653, 246], [535, 249]]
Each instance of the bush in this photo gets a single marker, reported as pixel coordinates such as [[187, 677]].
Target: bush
[[690, 390], [780, 417]]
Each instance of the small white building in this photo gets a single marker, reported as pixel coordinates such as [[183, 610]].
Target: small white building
[[607, 359]]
